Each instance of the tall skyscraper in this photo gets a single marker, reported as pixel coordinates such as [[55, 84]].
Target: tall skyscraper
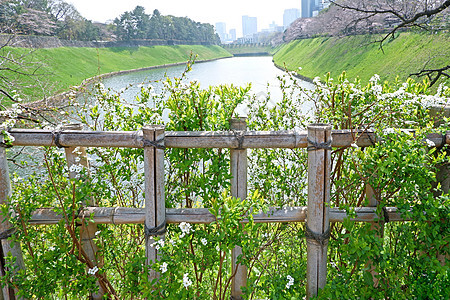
[[221, 30], [305, 8], [233, 34], [249, 26], [289, 16], [312, 7]]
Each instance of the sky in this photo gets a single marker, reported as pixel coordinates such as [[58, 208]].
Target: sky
[[206, 11]]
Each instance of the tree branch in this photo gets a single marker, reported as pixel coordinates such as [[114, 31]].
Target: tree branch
[[430, 72]]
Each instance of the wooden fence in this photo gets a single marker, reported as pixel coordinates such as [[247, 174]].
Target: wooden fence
[[319, 139]]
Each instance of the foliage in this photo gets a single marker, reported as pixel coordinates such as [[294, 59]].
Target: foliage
[[52, 18], [136, 24], [403, 261]]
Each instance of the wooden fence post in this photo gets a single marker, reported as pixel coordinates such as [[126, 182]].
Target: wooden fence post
[[78, 156], [155, 208], [318, 224], [438, 113], [238, 162], [5, 226], [377, 227]]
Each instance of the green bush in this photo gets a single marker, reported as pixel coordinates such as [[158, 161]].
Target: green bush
[[195, 259]]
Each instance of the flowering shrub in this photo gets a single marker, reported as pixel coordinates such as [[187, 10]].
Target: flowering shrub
[[398, 260]]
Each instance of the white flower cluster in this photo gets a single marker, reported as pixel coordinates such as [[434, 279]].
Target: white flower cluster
[[374, 79], [290, 281], [93, 270], [316, 80], [76, 168], [158, 244], [163, 267], [186, 281], [204, 241], [186, 228]]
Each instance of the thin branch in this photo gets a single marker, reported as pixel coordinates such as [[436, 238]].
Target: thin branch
[[437, 73]]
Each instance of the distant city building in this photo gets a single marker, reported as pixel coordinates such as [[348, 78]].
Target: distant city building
[[221, 30], [289, 16], [311, 8], [276, 28], [325, 4], [249, 26], [232, 35]]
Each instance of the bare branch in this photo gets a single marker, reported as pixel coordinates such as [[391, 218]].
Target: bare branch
[[433, 74]]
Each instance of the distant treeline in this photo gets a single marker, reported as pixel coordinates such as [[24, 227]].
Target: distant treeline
[[61, 19], [136, 24]]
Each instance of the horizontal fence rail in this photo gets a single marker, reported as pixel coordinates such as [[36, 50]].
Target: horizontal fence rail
[[129, 215], [197, 139]]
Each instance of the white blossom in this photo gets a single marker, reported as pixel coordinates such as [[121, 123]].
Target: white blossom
[[76, 168], [93, 270], [186, 228], [388, 131], [375, 78], [204, 241], [354, 145], [159, 244], [163, 267], [377, 89], [97, 232], [430, 143], [186, 281], [290, 281]]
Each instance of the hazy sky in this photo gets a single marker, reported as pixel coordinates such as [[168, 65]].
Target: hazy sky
[[207, 11]]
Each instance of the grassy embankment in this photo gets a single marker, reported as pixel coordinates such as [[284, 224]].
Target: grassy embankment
[[359, 57], [65, 67], [249, 49]]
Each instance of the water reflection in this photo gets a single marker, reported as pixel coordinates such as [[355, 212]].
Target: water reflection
[[260, 72]]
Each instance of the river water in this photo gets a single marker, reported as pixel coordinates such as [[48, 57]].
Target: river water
[[259, 71]]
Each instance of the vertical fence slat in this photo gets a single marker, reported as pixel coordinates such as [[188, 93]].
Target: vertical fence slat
[[155, 210], [377, 227], [438, 113], [5, 225], [78, 156], [318, 225], [238, 165]]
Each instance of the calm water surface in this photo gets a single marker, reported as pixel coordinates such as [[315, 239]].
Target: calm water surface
[[259, 71]]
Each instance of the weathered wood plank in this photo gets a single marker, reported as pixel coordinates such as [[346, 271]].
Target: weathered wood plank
[[238, 167], [318, 223], [78, 156], [129, 215], [196, 139], [154, 191], [8, 248]]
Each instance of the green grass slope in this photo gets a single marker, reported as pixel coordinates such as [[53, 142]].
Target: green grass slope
[[360, 57], [66, 66]]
